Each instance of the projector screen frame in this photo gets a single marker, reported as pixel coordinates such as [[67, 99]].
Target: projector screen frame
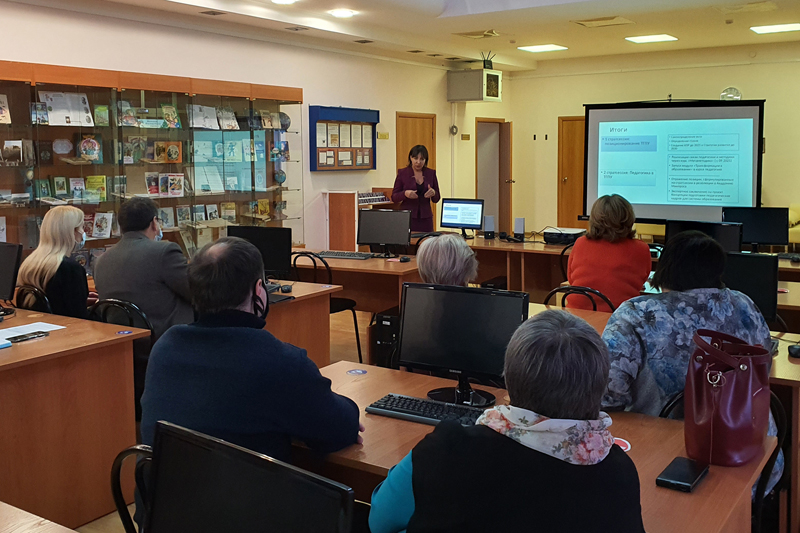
[[666, 105]]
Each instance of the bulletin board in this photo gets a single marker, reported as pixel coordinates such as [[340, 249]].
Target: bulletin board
[[342, 138]]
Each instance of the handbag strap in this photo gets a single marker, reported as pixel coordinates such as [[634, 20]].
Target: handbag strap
[[755, 354]]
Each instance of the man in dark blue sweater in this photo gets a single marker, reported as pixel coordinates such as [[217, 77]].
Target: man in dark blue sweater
[[228, 377]]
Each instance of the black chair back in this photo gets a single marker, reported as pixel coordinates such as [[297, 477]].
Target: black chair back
[[561, 261], [202, 484], [590, 293], [314, 257], [33, 299]]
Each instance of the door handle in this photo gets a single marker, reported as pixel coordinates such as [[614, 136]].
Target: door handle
[[565, 179], [510, 181]]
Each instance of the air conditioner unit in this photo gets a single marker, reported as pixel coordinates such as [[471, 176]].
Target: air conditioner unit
[[479, 85]]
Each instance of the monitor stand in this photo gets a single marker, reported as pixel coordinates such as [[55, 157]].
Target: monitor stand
[[463, 394], [386, 253], [754, 248], [464, 234]]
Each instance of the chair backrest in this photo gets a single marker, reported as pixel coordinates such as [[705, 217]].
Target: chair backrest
[[33, 299], [201, 484], [122, 313], [313, 257], [10, 259], [562, 263], [584, 291]]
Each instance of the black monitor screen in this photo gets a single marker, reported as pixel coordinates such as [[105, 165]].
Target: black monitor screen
[[462, 214], [384, 226], [728, 234], [756, 275], [10, 257], [760, 225], [205, 485], [458, 328], [275, 245]]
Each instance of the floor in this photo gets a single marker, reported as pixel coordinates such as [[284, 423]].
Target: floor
[[343, 348]]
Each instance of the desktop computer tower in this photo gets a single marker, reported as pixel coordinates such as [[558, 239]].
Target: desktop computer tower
[[383, 336]]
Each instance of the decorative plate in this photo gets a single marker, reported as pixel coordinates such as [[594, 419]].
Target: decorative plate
[[62, 146]]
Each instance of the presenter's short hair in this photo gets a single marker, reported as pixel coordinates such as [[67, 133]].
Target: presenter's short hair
[[136, 214], [611, 219], [447, 260], [417, 150], [690, 260], [223, 273], [557, 366]]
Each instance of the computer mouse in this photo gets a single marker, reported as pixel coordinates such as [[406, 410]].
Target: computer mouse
[[405, 259], [795, 259], [794, 350], [286, 288]]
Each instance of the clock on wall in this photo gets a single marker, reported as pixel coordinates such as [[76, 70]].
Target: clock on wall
[[730, 93]]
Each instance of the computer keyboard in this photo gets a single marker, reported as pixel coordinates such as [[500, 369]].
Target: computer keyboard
[[424, 411], [791, 257], [422, 234], [334, 254]]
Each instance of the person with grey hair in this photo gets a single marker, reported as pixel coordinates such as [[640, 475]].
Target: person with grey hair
[[551, 446], [447, 260]]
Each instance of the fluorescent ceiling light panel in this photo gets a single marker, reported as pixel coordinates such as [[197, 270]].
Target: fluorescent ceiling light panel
[[342, 13], [651, 38], [542, 48], [776, 28], [284, 2]]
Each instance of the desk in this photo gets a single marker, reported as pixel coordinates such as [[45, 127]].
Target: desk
[[67, 410], [720, 503], [13, 520], [375, 284]]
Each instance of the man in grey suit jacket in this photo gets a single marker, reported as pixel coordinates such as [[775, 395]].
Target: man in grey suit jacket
[[144, 270]]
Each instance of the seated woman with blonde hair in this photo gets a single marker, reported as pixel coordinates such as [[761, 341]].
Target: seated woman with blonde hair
[[608, 258], [49, 267], [447, 260]]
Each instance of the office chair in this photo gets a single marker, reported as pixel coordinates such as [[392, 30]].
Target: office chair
[[566, 290], [675, 404], [123, 313], [189, 481], [337, 304], [655, 248], [561, 260], [33, 299]]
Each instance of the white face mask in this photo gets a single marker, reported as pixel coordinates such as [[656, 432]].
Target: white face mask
[[82, 242], [159, 235]]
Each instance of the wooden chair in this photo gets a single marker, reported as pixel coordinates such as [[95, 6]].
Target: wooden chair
[[590, 293], [337, 304], [39, 303]]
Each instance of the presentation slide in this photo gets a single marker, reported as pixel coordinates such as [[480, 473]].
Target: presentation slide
[[677, 162], [457, 214]]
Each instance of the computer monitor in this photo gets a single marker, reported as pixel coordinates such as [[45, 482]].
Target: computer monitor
[[755, 275], [384, 227], [760, 225], [728, 234], [462, 214], [462, 330], [275, 245], [10, 259], [205, 485]]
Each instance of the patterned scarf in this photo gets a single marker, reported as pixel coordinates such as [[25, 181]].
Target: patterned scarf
[[579, 442]]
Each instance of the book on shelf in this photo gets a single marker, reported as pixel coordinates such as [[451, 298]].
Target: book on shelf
[[116, 185], [167, 216], [12, 151], [283, 151], [212, 213], [101, 115], [39, 114], [254, 119], [151, 183], [228, 211], [204, 236], [183, 214], [203, 117], [159, 152], [260, 151], [67, 109], [171, 116], [49, 200], [233, 151], [163, 185], [77, 187], [83, 259], [102, 225], [174, 151], [263, 207], [152, 123], [96, 189], [227, 118], [274, 151], [88, 223], [188, 242], [44, 152], [266, 119], [176, 182], [126, 115], [198, 212], [43, 188], [28, 152], [90, 148], [60, 188], [5, 112]]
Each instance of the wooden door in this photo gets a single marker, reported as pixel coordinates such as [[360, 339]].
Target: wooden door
[[414, 129], [570, 171], [506, 180]]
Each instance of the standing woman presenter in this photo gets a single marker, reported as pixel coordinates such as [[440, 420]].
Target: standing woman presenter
[[416, 187]]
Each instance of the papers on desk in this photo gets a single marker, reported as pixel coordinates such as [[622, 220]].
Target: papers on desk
[[22, 330]]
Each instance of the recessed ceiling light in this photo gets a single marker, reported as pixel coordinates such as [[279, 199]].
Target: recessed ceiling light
[[651, 38], [777, 28], [542, 48], [342, 13], [284, 2]]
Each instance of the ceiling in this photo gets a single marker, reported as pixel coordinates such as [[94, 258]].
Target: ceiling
[[397, 27]]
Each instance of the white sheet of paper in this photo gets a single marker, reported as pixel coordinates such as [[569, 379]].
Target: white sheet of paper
[[344, 156], [322, 158], [355, 134], [28, 328], [322, 135], [344, 135], [359, 159], [366, 136], [333, 135]]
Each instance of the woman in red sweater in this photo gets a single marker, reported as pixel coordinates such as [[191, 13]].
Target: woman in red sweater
[[608, 258]]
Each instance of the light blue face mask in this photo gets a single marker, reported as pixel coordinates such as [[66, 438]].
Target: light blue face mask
[[159, 235], [79, 244]]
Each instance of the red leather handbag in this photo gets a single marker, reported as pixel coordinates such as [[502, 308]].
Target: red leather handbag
[[726, 404]]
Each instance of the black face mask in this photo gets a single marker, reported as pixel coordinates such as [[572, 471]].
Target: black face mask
[[260, 309]]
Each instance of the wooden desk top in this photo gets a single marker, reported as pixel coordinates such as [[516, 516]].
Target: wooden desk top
[[597, 319], [305, 291], [654, 443], [479, 243], [13, 520], [372, 266], [789, 300], [78, 336]]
